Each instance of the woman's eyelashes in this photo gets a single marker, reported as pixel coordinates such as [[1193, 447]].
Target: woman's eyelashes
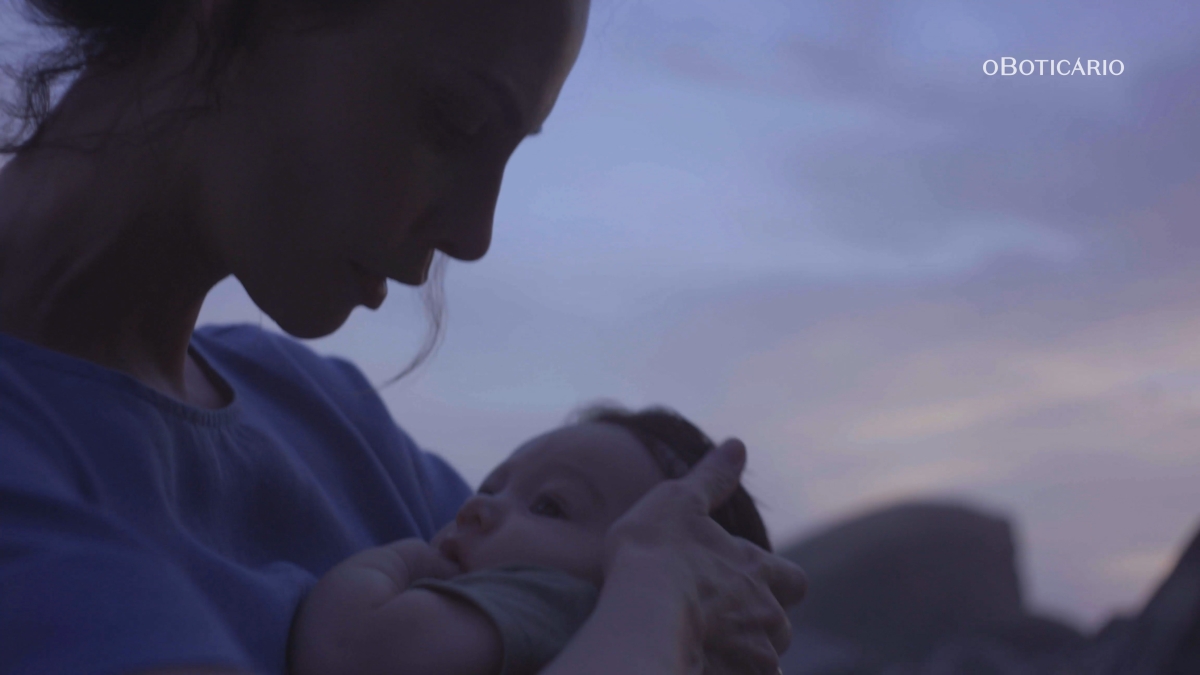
[[452, 123]]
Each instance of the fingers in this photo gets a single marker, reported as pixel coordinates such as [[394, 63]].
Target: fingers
[[779, 632], [419, 560], [787, 580], [749, 627], [742, 589], [754, 657], [715, 477], [392, 567], [769, 617]]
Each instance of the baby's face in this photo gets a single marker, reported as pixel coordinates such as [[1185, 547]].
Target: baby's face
[[552, 501]]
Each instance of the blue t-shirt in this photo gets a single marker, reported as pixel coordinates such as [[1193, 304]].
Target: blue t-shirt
[[139, 532]]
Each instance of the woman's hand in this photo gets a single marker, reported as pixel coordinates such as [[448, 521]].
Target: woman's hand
[[734, 592], [337, 622]]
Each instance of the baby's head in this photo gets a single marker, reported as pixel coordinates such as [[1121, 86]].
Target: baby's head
[[552, 501]]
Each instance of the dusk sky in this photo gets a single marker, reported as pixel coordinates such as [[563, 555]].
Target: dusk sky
[[822, 228]]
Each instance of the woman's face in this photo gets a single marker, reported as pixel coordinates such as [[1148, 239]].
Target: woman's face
[[347, 153]]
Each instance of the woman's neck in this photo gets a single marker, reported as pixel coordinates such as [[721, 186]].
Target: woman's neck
[[101, 257]]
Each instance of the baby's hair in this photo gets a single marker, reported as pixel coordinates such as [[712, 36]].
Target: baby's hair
[[659, 428]]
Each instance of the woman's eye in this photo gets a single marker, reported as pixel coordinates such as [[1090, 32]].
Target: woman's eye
[[452, 124], [548, 506]]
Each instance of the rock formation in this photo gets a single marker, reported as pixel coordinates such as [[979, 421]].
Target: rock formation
[[933, 589]]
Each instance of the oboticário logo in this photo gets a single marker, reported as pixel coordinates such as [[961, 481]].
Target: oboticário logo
[[1009, 65]]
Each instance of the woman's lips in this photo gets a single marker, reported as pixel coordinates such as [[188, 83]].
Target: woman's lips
[[372, 287], [416, 271]]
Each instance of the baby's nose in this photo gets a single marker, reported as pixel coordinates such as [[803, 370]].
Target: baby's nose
[[480, 512]]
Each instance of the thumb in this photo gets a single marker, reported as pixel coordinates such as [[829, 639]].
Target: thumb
[[717, 474], [420, 560]]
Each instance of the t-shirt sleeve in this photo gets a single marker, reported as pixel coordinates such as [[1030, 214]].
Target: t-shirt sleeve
[[82, 594], [536, 609]]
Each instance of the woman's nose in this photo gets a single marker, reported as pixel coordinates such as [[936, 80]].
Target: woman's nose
[[481, 512], [467, 223]]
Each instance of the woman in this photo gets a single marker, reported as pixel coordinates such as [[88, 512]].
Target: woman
[[167, 495]]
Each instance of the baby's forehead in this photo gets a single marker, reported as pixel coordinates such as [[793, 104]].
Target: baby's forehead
[[607, 455], [600, 459], [556, 458]]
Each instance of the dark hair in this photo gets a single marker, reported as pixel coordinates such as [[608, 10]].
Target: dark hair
[[659, 426], [114, 33], [433, 297], [108, 34]]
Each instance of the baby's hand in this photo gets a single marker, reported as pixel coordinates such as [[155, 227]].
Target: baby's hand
[[334, 628]]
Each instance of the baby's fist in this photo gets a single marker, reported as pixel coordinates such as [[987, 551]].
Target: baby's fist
[[334, 626]]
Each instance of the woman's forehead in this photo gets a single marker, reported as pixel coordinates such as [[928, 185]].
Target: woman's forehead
[[525, 46], [495, 29]]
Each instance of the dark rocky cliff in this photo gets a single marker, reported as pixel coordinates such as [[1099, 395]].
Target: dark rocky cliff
[[933, 589]]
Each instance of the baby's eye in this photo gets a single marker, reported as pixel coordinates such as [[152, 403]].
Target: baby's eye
[[546, 505]]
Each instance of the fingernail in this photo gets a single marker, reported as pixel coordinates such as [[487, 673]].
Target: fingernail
[[735, 452]]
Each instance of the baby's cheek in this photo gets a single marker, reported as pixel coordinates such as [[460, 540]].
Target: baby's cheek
[[582, 557], [534, 546]]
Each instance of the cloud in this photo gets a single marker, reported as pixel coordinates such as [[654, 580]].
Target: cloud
[[1134, 567], [820, 228], [1067, 398], [1012, 380], [942, 150]]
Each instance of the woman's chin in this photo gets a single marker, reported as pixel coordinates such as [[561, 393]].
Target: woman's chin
[[311, 324]]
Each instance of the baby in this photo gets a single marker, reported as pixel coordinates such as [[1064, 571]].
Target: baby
[[527, 553]]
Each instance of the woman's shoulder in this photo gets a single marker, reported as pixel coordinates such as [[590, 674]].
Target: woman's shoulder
[[274, 373], [71, 424]]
